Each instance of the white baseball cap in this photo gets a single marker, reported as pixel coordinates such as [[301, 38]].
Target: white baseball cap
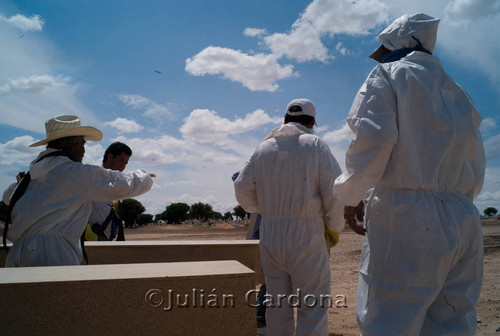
[[301, 107]]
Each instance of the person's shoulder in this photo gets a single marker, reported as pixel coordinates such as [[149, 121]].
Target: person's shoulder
[[416, 62], [380, 75], [311, 139], [322, 143]]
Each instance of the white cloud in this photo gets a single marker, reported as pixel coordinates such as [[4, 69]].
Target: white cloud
[[341, 49], [467, 32], [492, 148], [470, 10], [302, 44], [206, 126], [155, 111], [34, 23], [32, 84], [94, 153], [28, 86], [487, 125], [157, 151], [344, 16], [16, 151], [222, 159], [338, 141], [490, 195], [151, 108], [40, 101], [254, 32], [187, 171], [124, 125], [256, 72], [326, 18], [180, 183], [342, 134], [135, 101]]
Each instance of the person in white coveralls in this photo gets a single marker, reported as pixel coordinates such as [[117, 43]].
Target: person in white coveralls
[[51, 206], [418, 160], [104, 223], [289, 181]]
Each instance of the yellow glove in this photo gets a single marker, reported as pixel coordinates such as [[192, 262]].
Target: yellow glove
[[116, 206], [332, 238]]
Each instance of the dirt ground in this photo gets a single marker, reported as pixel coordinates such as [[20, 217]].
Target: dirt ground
[[344, 261]]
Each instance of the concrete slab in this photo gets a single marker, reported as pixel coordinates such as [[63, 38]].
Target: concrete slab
[[127, 252], [185, 298]]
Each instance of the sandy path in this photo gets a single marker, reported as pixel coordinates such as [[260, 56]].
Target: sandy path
[[344, 261]]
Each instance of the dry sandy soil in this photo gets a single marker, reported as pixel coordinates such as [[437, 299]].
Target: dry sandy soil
[[344, 261]]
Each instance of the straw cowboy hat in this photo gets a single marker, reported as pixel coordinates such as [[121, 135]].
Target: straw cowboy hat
[[67, 126]]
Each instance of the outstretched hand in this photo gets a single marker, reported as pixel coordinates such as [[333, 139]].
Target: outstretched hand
[[351, 214]]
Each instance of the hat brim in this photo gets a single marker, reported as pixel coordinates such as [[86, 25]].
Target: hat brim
[[89, 133], [378, 54]]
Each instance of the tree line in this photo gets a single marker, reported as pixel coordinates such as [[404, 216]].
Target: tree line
[[131, 211], [176, 213], [490, 212]]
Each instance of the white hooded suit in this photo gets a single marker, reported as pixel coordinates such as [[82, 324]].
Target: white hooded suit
[[49, 219], [289, 181], [418, 146]]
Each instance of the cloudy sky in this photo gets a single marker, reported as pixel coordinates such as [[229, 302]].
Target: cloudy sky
[[193, 86]]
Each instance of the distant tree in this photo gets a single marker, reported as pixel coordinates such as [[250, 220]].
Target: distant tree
[[201, 211], [239, 212], [176, 213], [228, 216], [490, 212], [3, 211], [216, 215], [145, 219], [129, 211]]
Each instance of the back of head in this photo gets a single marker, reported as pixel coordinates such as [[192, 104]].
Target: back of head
[[301, 111]]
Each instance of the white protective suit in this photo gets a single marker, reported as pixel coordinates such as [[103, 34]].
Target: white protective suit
[[418, 145], [289, 181], [49, 219]]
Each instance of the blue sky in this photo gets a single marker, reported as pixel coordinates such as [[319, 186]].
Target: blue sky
[[193, 86]]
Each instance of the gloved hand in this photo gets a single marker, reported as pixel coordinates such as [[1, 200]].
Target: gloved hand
[[331, 237]]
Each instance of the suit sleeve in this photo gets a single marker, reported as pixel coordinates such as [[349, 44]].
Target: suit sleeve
[[110, 185], [245, 188], [478, 160], [373, 119], [329, 170]]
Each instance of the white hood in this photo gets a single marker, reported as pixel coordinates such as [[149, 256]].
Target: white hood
[[399, 33]]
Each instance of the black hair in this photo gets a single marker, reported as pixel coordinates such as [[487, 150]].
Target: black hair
[[61, 143], [115, 149], [301, 119]]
